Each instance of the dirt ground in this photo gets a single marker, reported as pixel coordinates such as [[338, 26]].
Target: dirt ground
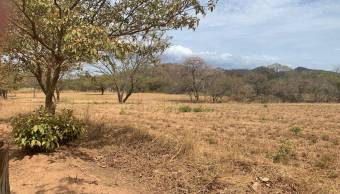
[[69, 170], [149, 146]]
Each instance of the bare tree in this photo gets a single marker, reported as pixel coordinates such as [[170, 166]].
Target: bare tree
[[124, 69], [216, 84], [194, 75]]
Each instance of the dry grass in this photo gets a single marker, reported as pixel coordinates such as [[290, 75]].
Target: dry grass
[[225, 149]]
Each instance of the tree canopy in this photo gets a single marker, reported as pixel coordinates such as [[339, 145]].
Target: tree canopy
[[49, 37]]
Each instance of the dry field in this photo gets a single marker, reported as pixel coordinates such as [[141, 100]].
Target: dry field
[[149, 146]]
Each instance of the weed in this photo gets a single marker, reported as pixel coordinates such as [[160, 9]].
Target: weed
[[185, 109], [296, 130], [123, 112], [284, 153], [196, 109], [325, 137]]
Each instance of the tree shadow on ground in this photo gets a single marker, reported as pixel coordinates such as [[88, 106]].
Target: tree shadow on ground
[[58, 189], [99, 135]]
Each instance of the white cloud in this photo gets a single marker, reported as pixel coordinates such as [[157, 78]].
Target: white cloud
[[301, 32], [178, 53]]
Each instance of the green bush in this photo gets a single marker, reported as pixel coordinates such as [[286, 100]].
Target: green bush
[[284, 153], [185, 109], [296, 130], [198, 109], [42, 132]]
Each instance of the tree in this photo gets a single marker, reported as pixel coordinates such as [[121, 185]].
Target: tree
[[194, 75], [216, 84], [124, 69], [9, 79], [101, 83], [3, 16], [51, 37]]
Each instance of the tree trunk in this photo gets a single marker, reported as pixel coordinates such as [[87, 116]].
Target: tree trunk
[[57, 91], [34, 92], [197, 96], [120, 97], [127, 97], [4, 177], [102, 90], [49, 104]]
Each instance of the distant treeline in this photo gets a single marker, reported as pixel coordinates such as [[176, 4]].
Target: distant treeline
[[274, 83]]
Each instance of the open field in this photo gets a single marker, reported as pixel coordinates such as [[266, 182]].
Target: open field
[[149, 146]]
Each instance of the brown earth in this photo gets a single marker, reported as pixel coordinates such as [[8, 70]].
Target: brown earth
[[149, 146]]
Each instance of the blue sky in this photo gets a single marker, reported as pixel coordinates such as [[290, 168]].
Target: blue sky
[[251, 33]]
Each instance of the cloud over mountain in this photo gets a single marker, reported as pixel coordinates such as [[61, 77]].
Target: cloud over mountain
[[178, 53]]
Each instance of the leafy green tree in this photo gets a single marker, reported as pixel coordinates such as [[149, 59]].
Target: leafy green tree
[[49, 38]]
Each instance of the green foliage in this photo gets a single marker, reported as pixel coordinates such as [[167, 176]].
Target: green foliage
[[284, 153], [185, 109], [198, 109], [296, 130], [202, 109], [43, 132]]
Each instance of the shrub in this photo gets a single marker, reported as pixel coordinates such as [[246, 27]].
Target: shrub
[[284, 153], [201, 109], [42, 132], [185, 109], [296, 130], [198, 109]]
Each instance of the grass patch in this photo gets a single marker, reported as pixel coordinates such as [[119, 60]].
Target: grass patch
[[185, 109], [195, 109], [296, 130], [284, 153]]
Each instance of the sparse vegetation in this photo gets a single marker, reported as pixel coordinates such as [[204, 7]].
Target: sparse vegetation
[[185, 108], [284, 153], [296, 130], [192, 127], [230, 143]]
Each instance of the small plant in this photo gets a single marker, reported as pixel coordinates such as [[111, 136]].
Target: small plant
[[185, 109], [42, 132], [284, 153], [296, 130], [123, 112], [199, 109], [325, 137], [313, 138]]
